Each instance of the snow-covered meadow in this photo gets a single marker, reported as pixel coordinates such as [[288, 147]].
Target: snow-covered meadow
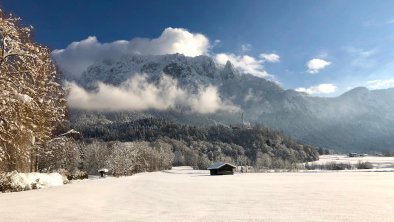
[[379, 163], [183, 194]]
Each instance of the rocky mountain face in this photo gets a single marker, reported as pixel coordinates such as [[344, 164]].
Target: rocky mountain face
[[360, 120]]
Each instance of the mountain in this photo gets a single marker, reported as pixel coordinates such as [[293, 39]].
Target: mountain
[[360, 120]]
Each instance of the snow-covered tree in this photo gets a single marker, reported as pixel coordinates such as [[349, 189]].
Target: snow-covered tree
[[60, 153], [96, 153], [133, 157], [31, 102]]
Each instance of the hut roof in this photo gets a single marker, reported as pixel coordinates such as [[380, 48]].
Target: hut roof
[[72, 134], [216, 166], [103, 170]]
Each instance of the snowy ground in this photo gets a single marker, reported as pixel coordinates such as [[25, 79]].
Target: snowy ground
[[182, 194], [379, 163]]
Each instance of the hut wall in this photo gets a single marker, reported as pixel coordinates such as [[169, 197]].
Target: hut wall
[[226, 169]]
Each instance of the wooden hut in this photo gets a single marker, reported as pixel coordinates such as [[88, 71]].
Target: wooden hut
[[102, 172], [221, 169]]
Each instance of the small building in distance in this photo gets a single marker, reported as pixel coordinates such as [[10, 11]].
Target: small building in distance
[[353, 155], [221, 169], [72, 134], [102, 172]]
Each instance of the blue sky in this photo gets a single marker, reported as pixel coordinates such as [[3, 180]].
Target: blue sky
[[351, 42]]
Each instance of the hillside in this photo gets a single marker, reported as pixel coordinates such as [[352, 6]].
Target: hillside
[[359, 120], [201, 146]]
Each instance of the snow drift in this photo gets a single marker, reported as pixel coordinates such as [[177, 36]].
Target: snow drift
[[14, 181]]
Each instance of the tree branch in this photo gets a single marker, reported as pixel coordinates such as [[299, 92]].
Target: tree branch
[[13, 54]]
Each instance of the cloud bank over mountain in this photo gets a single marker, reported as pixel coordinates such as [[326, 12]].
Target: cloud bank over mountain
[[270, 57], [380, 84], [138, 94], [325, 88], [244, 63], [79, 55]]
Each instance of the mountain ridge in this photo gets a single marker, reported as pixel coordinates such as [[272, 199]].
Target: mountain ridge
[[358, 120]]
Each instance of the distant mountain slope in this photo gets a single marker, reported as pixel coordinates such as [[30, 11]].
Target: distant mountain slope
[[359, 120]]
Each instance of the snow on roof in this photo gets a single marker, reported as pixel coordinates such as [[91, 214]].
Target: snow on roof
[[218, 165], [71, 131], [103, 170]]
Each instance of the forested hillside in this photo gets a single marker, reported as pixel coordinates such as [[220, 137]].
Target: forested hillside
[[240, 145]]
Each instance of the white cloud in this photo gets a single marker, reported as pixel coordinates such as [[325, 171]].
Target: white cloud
[[315, 65], [138, 94], [172, 40], [244, 63], [79, 55], [215, 43], [380, 84], [319, 89], [246, 47], [270, 57]]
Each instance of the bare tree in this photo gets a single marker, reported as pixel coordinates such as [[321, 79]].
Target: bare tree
[[31, 102]]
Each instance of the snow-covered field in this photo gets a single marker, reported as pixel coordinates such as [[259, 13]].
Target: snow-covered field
[[182, 194], [379, 163]]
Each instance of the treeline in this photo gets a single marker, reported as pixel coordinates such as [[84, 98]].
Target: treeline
[[198, 147], [76, 158]]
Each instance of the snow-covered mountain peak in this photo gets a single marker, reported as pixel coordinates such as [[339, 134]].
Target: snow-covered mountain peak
[[229, 71], [200, 70]]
